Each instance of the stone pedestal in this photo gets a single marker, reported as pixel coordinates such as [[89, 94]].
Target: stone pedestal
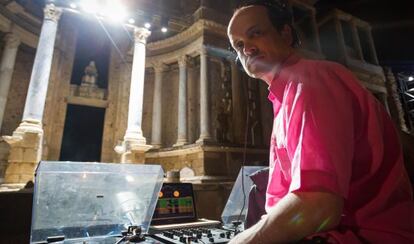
[[132, 152], [25, 152], [26, 141]]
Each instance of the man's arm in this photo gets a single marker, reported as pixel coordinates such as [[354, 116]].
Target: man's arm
[[294, 217]]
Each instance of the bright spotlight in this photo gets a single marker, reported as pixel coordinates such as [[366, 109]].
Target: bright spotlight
[[411, 78], [115, 10], [91, 6], [131, 21], [147, 25], [73, 5], [164, 29]]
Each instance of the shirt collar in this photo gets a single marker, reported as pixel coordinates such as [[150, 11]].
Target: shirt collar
[[278, 83]]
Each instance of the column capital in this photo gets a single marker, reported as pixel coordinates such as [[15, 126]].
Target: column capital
[[52, 12], [159, 66], [11, 40], [141, 35], [182, 61], [203, 51]]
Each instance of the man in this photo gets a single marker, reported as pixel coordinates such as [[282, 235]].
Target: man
[[336, 166]]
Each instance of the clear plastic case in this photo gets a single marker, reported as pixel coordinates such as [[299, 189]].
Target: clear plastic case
[[234, 209], [93, 202]]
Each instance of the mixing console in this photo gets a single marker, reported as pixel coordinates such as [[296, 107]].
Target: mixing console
[[195, 235]]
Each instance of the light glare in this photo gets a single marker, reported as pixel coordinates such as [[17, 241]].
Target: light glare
[[73, 5], [164, 29], [91, 6], [147, 25], [411, 78], [131, 21]]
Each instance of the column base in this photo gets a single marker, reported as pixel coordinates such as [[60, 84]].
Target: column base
[[180, 142], [204, 139], [25, 152], [132, 151], [135, 137], [156, 146]]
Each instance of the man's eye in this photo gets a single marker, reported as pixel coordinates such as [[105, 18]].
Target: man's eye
[[257, 33], [239, 45]]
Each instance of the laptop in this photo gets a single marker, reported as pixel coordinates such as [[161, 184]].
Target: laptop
[[176, 208]]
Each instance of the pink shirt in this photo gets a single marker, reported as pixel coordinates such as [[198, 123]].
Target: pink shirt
[[331, 134]]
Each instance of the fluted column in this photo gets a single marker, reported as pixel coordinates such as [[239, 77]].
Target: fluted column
[[134, 145], [156, 140], [8, 60], [26, 142], [182, 103], [204, 101]]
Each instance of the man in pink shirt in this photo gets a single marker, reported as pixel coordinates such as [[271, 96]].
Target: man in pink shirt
[[336, 166]]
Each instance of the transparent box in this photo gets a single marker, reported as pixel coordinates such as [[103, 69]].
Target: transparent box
[[236, 206], [93, 202]]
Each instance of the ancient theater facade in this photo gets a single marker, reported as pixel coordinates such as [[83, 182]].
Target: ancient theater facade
[[177, 99]]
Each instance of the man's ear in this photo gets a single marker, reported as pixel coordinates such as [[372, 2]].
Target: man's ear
[[286, 34]]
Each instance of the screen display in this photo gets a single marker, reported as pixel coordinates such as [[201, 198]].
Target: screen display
[[175, 203]]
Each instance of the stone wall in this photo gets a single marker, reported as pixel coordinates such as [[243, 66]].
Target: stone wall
[[193, 101], [58, 90], [18, 90], [147, 109], [4, 154], [116, 115], [170, 106], [209, 161]]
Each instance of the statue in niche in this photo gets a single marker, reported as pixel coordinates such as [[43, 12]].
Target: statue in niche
[[91, 74]]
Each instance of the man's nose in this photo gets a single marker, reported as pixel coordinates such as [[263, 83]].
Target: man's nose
[[250, 49]]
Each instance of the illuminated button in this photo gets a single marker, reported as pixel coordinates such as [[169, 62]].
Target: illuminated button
[[176, 193]]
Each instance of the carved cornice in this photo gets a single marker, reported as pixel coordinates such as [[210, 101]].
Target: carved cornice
[[341, 15], [158, 66], [11, 40], [141, 35], [52, 12], [190, 50], [191, 33]]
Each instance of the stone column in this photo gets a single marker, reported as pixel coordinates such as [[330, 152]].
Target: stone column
[[26, 141], [204, 101], [182, 103], [357, 41], [238, 104], [134, 145], [8, 60], [341, 42], [372, 46], [156, 140], [395, 106]]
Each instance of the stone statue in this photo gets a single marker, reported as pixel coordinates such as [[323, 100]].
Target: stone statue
[[91, 74]]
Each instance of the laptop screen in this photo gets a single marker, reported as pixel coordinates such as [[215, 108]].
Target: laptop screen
[[175, 204]]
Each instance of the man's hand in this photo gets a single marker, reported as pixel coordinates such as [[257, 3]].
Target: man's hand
[[296, 216]]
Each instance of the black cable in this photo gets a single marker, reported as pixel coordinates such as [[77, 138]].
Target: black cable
[[244, 157]]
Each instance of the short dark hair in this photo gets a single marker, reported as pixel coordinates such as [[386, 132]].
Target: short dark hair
[[279, 14]]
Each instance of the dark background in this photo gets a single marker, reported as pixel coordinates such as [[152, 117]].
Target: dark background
[[392, 24]]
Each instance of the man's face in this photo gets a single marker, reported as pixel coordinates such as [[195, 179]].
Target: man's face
[[259, 46]]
